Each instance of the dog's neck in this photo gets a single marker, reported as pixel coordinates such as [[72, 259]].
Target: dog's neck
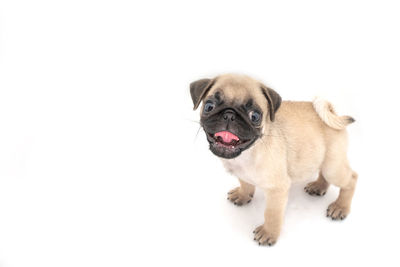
[[248, 160]]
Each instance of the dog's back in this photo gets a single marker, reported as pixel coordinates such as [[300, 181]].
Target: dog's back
[[311, 131]]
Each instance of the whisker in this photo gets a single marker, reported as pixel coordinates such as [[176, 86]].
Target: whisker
[[271, 135], [195, 138], [193, 121], [264, 143]]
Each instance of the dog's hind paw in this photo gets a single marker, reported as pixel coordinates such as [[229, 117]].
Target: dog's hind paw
[[316, 188]]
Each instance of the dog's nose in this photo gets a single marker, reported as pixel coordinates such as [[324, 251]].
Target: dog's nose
[[229, 115]]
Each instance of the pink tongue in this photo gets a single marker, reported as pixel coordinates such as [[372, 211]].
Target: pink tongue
[[226, 136]]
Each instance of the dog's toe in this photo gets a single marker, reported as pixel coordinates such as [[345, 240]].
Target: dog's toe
[[264, 237], [315, 189], [238, 198], [337, 212]]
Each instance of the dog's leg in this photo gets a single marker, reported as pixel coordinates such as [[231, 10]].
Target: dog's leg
[[268, 233], [317, 187], [341, 207], [242, 194]]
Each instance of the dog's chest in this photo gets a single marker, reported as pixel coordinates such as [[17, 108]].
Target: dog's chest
[[243, 167]]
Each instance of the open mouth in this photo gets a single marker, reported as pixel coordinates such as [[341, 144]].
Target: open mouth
[[228, 145], [226, 139]]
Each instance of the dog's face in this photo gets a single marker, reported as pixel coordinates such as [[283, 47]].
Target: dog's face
[[235, 111]]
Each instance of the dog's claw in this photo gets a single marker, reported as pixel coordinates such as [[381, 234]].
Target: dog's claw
[[315, 189], [337, 212], [238, 198]]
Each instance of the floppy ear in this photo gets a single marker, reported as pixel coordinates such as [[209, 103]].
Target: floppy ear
[[199, 89], [274, 100]]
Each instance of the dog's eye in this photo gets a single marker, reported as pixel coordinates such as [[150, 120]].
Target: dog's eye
[[209, 106], [255, 116]]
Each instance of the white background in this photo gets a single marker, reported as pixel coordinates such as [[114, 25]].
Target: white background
[[99, 160]]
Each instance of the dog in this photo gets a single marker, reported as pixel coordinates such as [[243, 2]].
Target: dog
[[269, 143]]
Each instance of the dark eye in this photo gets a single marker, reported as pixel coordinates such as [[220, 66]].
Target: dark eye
[[255, 116], [209, 106]]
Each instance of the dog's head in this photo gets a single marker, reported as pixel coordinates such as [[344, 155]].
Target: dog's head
[[235, 111]]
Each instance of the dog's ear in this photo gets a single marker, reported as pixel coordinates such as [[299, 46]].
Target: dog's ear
[[274, 100], [199, 89]]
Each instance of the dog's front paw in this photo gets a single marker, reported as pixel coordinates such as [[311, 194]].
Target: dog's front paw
[[237, 197], [265, 237], [336, 211]]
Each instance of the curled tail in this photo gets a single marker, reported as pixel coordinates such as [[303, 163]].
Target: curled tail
[[328, 115]]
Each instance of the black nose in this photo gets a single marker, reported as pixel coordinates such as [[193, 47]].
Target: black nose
[[228, 115]]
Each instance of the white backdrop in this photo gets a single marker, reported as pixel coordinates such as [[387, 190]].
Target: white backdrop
[[99, 160]]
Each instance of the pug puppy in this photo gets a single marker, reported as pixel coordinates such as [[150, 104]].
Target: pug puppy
[[269, 144]]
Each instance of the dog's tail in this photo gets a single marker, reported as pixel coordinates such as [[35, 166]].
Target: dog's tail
[[328, 115]]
